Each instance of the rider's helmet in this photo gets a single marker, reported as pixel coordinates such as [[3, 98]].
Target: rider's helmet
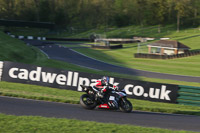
[[105, 79], [116, 88]]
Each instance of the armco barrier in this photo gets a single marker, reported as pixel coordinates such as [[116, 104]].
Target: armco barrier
[[189, 95], [155, 56], [107, 47], [67, 39], [34, 24]]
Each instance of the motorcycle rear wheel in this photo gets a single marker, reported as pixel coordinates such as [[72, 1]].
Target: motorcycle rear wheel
[[125, 106], [87, 102]]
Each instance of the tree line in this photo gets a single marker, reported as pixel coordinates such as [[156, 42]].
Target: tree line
[[103, 13]]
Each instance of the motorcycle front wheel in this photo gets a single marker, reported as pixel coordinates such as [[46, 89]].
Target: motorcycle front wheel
[[125, 106], [87, 102]]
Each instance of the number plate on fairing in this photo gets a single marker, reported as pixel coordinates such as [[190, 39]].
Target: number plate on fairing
[[111, 98]]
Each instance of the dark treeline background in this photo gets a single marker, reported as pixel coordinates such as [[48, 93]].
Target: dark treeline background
[[103, 13]]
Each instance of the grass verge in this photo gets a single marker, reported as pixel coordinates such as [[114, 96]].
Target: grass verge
[[16, 124]]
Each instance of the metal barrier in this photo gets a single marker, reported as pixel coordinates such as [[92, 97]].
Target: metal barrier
[[155, 56], [18, 23], [189, 95]]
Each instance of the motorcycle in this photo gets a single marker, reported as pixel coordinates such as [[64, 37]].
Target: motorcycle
[[114, 100]]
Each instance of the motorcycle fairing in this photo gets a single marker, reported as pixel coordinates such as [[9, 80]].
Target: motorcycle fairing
[[105, 106]]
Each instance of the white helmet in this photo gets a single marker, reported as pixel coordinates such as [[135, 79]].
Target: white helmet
[[105, 79]]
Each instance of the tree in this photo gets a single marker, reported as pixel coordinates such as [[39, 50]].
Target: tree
[[7, 9], [196, 12], [181, 7], [103, 13]]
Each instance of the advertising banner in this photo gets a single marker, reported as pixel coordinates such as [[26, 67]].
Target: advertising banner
[[1, 69], [71, 80]]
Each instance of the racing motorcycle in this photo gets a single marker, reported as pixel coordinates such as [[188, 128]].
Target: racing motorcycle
[[115, 99]]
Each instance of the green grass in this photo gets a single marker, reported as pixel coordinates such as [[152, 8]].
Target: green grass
[[39, 92], [18, 124], [68, 96], [14, 50], [125, 57]]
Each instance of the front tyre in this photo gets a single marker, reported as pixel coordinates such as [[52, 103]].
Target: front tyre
[[125, 106], [87, 102]]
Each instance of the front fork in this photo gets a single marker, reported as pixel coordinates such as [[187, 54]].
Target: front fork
[[98, 99], [123, 101]]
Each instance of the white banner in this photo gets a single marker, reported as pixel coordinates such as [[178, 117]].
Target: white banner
[[1, 69]]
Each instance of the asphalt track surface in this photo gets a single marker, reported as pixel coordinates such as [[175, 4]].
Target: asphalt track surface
[[19, 107], [58, 52]]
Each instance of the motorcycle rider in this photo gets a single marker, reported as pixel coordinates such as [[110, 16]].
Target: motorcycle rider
[[102, 85], [104, 88]]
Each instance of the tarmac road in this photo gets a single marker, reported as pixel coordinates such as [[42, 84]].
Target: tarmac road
[[16, 106], [69, 55]]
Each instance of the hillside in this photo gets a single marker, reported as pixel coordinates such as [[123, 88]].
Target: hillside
[[124, 57], [12, 49], [15, 50]]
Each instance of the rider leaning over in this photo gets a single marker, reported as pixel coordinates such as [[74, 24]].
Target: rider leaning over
[[104, 87]]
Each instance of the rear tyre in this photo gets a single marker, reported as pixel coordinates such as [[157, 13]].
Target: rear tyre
[[87, 102], [125, 106]]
